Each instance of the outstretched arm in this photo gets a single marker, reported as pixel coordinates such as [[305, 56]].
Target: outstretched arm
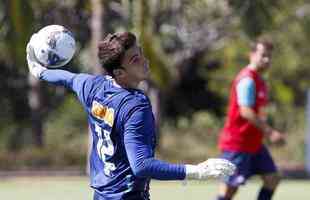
[[138, 129], [79, 83]]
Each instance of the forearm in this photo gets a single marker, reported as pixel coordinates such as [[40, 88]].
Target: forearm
[[157, 169], [211, 168], [161, 170], [58, 77], [143, 164], [254, 119], [149, 167]]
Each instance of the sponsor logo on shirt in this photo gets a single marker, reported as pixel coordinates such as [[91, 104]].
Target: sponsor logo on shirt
[[103, 113]]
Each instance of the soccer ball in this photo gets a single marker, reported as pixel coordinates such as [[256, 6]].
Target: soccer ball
[[53, 45]]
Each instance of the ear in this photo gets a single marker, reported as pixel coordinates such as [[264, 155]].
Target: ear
[[118, 72]]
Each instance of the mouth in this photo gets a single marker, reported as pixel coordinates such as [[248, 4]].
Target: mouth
[[267, 64]]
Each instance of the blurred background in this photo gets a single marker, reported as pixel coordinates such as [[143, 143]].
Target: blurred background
[[195, 48]]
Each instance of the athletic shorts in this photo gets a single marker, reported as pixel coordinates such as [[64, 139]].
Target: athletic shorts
[[248, 165]]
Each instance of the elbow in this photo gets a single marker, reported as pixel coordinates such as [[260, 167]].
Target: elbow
[[246, 113], [139, 171]]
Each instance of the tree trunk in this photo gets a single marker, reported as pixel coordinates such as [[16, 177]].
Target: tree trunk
[[21, 16], [35, 104], [96, 34]]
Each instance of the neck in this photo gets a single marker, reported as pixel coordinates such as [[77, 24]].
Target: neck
[[254, 67], [125, 83]]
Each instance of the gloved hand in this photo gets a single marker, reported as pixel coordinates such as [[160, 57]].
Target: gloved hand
[[211, 168], [35, 68]]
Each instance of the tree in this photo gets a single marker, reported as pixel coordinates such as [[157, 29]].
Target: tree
[[18, 34]]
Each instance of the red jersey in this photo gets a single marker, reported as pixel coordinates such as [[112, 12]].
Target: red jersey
[[238, 133]]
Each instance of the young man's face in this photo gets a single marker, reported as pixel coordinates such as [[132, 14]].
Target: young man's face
[[261, 57], [135, 64]]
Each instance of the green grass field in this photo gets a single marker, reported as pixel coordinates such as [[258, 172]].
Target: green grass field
[[76, 188]]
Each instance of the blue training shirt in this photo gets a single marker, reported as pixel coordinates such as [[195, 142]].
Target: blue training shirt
[[246, 92], [123, 130]]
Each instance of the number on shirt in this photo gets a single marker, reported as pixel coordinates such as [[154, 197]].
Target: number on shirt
[[105, 148]]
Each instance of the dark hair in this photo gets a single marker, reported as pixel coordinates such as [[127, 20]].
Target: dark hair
[[266, 42], [111, 50]]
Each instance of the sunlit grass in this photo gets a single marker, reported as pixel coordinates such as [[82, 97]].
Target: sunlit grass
[[77, 188]]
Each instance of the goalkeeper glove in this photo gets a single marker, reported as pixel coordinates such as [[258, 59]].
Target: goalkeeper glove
[[211, 168], [35, 68]]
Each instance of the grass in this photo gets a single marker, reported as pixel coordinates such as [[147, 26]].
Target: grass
[[76, 188]]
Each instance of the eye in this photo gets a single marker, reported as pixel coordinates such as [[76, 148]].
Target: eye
[[135, 60]]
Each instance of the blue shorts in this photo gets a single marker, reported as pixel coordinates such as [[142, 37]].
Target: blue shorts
[[249, 164]]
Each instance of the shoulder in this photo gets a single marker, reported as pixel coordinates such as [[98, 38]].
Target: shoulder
[[245, 75], [245, 86], [137, 98], [97, 81], [246, 81], [135, 101]]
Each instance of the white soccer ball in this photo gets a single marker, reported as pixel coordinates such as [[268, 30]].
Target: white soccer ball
[[54, 46]]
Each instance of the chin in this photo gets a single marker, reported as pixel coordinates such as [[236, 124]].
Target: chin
[[147, 75], [264, 67], [145, 78]]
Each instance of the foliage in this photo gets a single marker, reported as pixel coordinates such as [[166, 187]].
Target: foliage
[[66, 142], [197, 138], [195, 48]]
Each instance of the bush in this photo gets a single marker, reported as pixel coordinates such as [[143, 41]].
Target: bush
[[190, 139]]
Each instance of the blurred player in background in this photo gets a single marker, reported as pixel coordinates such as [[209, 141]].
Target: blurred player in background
[[122, 124], [241, 138]]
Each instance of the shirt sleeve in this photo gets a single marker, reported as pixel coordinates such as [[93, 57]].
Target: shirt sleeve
[[137, 138], [81, 84], [246, 92]]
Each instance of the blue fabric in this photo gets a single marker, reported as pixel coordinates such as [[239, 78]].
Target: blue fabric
[[122, 156], [139, 147], [265, 194], [246, 92], [222, 198], [79, 83], [249, 164]]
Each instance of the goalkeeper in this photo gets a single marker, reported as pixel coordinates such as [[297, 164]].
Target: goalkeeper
[[122, 124]]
